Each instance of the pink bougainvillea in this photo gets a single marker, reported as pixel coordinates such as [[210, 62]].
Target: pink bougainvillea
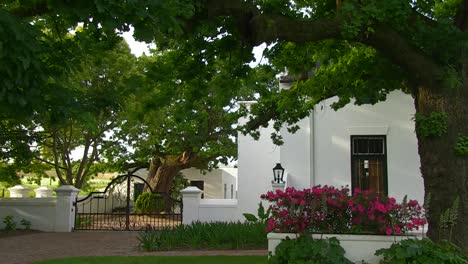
[[332, 210]]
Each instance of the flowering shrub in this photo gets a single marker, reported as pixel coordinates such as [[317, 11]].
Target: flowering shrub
[[331, 210]]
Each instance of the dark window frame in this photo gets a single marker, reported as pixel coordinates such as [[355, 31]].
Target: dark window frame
[[382, 156]]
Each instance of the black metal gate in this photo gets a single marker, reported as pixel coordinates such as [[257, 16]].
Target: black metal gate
[[114, 208]]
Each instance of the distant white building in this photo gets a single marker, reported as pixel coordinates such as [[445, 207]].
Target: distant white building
[[220, 183]]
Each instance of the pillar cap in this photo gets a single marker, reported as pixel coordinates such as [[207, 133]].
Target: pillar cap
[[191, 189], [18, 187], [66, 190]]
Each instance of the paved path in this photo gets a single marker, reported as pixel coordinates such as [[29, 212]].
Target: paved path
[[39, 246]]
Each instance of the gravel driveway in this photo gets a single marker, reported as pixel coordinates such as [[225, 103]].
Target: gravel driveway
[[39, 246]]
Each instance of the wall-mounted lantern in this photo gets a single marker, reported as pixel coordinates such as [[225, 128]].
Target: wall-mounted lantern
[[278, 173]]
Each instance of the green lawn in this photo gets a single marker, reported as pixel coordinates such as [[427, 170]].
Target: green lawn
[[161, 260]]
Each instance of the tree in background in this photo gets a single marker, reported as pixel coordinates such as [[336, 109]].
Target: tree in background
[[100, 89], [187, 113], [91, 98], [364, 48]]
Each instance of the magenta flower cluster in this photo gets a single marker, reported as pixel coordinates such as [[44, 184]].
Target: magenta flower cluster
[[326, 209]]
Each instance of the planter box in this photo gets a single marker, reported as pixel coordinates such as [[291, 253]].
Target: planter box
[[357, 247]]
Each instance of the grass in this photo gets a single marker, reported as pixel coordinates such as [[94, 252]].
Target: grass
[[161, 260]]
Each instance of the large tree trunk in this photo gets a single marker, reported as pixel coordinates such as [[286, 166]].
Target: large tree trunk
[[161, 175], [444, 172], [163, 171]]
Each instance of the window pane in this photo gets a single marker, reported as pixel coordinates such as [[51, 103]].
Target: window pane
[[376, 146], [361, 146], [364, 146]]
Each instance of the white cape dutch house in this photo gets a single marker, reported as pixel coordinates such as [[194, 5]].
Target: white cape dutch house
[[367, 147]]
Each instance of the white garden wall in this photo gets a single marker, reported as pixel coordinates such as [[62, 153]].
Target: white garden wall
[[207, 210], [46, 213], [39, 211]]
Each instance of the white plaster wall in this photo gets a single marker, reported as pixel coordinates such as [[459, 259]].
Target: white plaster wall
[[394, 116], [256, 159], [296, 155], [39, 211]]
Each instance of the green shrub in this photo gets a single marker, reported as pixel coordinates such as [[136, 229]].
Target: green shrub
[[10, 224], [214, 235], [422, 251], [263, 215], [149, 203], [149, 241], [26, 224], [305, 249]]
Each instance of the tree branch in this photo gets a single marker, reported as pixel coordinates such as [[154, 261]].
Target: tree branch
[[56, 161], [256, 27], [90, 162], [84, 159], [261, 120], [66, 153], [421, 69], [48, 162]]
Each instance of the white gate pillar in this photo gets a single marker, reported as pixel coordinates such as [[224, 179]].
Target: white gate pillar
[[65, 210], [191, 197]]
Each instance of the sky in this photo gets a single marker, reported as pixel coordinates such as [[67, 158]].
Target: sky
[[138, 48]]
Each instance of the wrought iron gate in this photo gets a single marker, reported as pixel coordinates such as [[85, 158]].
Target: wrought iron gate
[[114, 208]]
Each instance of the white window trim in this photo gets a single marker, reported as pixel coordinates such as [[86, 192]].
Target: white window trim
[[368, 130]]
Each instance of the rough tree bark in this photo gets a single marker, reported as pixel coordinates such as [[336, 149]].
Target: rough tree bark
[[162, 172], [161, 175], [163, 169], [446, 174]]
